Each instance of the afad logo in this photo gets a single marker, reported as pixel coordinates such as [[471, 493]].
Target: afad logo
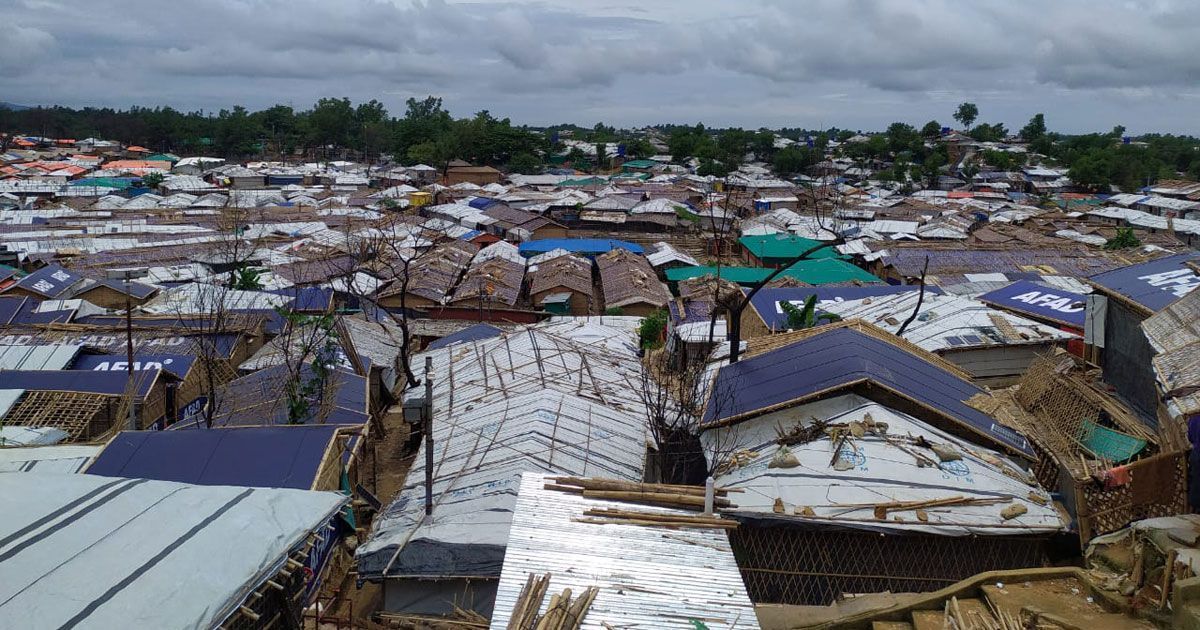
[[138, 366], [1050, 301], [1180, 281]]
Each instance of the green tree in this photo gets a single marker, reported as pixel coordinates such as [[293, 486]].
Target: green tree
[[902, 137], [576, 157], [639, 149], [152, 180], [1035, 129], [602, 156], [525, 164], [932, 129], [794, 159], [966, 114], [331, 121], [1124, 239], [651, 329]]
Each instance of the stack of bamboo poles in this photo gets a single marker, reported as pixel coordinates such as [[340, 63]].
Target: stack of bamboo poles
[[999, 620], [562, 613], [657, 494]]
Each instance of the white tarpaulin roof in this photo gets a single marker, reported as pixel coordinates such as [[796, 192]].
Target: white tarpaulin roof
[[98, 552], [559, 397], [874, 469]]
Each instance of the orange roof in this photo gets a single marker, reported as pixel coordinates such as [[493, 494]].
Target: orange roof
[[21, 142], [959, 194], [137, 149], [137, 164], [86, 158], [65, 141]]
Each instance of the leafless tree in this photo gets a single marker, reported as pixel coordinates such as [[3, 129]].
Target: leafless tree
[[402, 243], [824, 225], [677, 398]]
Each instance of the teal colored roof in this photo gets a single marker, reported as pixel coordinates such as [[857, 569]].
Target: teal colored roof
[[812, 271], [783, 246], [640, 164], [163, 157], [587, 181], [106, 182]]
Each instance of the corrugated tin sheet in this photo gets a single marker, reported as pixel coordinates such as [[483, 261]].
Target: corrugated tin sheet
[[95, 552], [648, 577]]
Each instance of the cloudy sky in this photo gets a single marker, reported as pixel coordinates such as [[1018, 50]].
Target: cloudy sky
[[1088, 64]]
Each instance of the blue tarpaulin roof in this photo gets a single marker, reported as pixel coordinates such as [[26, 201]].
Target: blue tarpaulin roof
[[586, 246], [1155, 284], [1035, 300], [479, 203], [111, 383], [267, 457], [472, 333], [176, 364], [766, 301], [841, 357], [50, 281]]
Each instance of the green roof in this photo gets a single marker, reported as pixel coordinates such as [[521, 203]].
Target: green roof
[[163, 157], [640, 164], [783, 246], [587, 181], [815, 271]]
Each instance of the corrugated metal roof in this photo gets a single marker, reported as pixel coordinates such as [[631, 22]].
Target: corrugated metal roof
[[37, 357], [648, 577]]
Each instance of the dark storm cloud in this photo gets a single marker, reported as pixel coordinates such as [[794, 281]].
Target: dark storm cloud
[[559, 60]]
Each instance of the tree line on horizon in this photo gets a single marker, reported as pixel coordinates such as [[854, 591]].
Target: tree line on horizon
[[427, 133]]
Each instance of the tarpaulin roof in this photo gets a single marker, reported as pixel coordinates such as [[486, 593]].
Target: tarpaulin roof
[[1153, 285], [96, 552], [110, 383], [267, 457], [1035, 300], [766, 301], [588, 246], [841, 357], [568, 406], [784, 246], [176, 364], [815, 271], [50, 281], [876, 469], [471, 333]]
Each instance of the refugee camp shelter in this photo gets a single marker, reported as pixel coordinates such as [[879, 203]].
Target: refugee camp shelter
[[95, 552], [993, 346], [629, 564], [303, 457], [557, 397], [875, 428], [1124, 298]]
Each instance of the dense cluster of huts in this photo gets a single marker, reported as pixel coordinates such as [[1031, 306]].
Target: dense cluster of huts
[[362, 395]]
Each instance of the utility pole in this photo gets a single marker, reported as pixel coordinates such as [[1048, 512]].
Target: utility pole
[[427, 411], [127, 275]]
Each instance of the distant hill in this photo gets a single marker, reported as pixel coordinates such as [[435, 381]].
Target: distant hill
[[13, 106]]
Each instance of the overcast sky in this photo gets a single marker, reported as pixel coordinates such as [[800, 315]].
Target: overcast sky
[[861, 64]]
